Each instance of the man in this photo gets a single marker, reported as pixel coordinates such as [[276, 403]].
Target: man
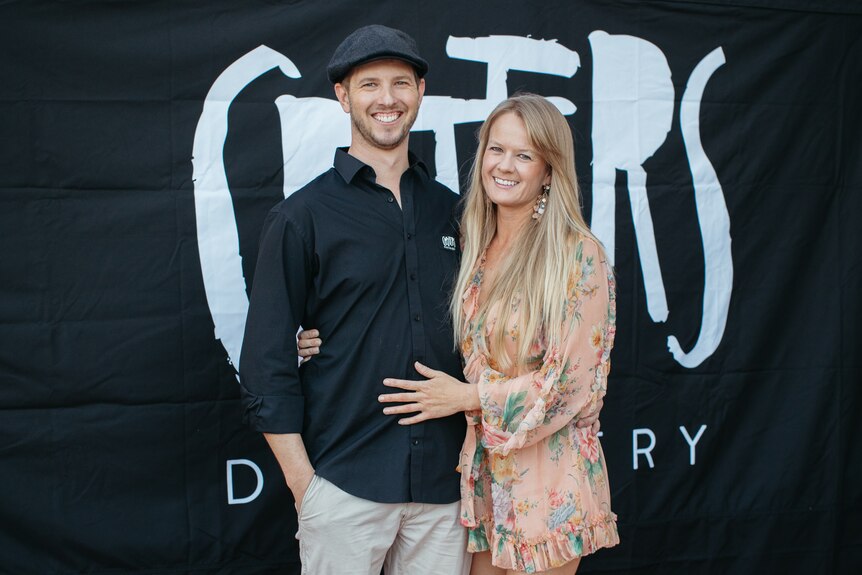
[[366, 254]]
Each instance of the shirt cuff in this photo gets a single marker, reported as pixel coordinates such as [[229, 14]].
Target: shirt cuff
[[274, 413]]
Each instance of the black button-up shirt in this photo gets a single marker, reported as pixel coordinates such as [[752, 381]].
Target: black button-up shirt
[[340, 255]]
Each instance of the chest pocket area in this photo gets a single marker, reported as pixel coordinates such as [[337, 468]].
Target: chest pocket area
[[356, 268], [445, 252]]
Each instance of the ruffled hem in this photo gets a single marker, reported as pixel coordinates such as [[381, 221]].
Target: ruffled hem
[[560, 546]]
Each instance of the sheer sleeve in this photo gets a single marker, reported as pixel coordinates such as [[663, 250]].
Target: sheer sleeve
[[519, 411]]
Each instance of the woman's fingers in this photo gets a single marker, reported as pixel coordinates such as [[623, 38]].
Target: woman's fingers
[[418, 418], [427, 399], [427, 371], [397, 397], [403, 383], [407, 408]]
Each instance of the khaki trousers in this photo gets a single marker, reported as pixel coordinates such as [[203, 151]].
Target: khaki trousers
[[340, 534]]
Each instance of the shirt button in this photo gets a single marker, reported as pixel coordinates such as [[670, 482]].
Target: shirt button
[[417, 317], [390, 199], [415, 442], [409, 236], [413, 276]]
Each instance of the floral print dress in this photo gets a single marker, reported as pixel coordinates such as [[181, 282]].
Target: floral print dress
[[534, 488]]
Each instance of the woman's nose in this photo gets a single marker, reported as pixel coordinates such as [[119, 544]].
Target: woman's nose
[[506, 163]]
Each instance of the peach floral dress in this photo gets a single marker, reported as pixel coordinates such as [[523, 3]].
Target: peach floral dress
[[534, 488]]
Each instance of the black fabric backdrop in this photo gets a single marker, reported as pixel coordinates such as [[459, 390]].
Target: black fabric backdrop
[[120, 434]]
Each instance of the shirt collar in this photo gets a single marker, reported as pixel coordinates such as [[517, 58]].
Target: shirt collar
[[348, 166]]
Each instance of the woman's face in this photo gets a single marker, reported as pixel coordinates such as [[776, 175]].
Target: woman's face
[[513, 173]]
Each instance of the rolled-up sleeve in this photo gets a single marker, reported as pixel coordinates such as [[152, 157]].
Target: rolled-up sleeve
[[271, 392]]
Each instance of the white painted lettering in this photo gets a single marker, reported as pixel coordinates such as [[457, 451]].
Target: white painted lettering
[[691, 442], [714, 220], [645, 451], [633, 110], [231, 499], [218, 238]]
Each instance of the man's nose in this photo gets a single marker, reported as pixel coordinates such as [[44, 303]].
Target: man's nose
[[387, 97]]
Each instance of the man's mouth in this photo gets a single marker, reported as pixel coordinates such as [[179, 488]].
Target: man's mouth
[[386, 117]]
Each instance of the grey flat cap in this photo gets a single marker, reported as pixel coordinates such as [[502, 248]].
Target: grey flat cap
[[375, 42]]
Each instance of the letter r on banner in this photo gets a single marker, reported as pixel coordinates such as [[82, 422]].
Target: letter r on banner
[[231, 500], [645, 451]]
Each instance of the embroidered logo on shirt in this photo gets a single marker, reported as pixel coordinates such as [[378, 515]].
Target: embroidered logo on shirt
[[448, 242]]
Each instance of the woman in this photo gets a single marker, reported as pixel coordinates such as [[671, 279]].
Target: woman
[[534, 315]]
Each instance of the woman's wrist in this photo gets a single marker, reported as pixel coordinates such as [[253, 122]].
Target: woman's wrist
[[471, 397]]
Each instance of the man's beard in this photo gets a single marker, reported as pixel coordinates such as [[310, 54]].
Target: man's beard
[[392, 141]]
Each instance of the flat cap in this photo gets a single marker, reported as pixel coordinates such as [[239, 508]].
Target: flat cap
[[374, 42]]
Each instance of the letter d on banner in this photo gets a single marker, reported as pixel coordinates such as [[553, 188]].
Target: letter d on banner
[[231, 500]]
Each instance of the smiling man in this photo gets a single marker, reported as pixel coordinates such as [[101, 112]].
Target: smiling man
[[366, 254]]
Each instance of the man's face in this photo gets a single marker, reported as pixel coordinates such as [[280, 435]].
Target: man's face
[[382, 98]]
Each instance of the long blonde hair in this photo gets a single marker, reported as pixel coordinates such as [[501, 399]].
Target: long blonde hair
[[535, 274]]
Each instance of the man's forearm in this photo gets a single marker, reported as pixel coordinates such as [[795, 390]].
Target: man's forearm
[[290, 452]]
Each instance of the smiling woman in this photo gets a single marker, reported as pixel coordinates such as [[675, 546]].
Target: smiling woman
[[512, 169], [534, 313]]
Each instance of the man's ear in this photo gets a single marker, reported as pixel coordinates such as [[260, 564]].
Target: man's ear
[[421, 87], [343, 98]]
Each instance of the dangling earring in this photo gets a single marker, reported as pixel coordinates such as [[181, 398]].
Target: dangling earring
[[541, 203]]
